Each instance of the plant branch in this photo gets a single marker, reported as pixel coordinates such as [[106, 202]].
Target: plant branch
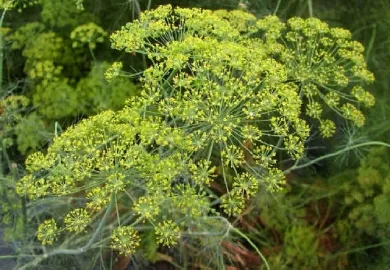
[[252, 245], [339, 152]]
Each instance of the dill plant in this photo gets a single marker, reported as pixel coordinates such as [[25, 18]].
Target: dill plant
[[224, 94]]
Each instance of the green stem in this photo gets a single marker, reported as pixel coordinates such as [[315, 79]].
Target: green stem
[[168, 80], [339, 152], [5, 257], [210, 150], [137, 7], [92, 54], [360, 249], [1, 53], [252, 245], [277, 7], [371, 42], [144, 63], [310, 6]]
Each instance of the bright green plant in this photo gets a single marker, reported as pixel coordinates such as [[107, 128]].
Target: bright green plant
[[29, 131], [56, 50], [12, 211], [221, 99], [11, 113], [369, 198]]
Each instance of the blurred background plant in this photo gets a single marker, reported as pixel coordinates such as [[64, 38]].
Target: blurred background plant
[[319, 223], [55, 56]]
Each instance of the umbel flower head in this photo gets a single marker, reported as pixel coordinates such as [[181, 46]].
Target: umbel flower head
[[167, 233], [221, 98], [77, 220], [48, 232], [89, 33], [125, 239]]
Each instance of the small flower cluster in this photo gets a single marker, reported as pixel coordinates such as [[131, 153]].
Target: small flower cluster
[[113, 71], [48, 232], [167, 233], [18, 4], [101, 157], [79, 4], [46, 71], [89, 33], [77, 220], [125, 239]]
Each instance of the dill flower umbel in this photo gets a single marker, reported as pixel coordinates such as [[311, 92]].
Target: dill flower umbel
[[77, 220], [147, 207], [233, 202], [48, 232], [99, 197], [167, 233], [113, 71], [116, 182], [220, 88], [89, 33], [125, 239], [327, 67]]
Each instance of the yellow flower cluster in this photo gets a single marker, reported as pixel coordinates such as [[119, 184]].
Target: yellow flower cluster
[[218, 102], [147, 207], [77, 220], [47, 232], [46, 71], [19, 4], [125, 239], [102, 156], [167, 233], [89, 33], [79, 4], [113, 71]]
